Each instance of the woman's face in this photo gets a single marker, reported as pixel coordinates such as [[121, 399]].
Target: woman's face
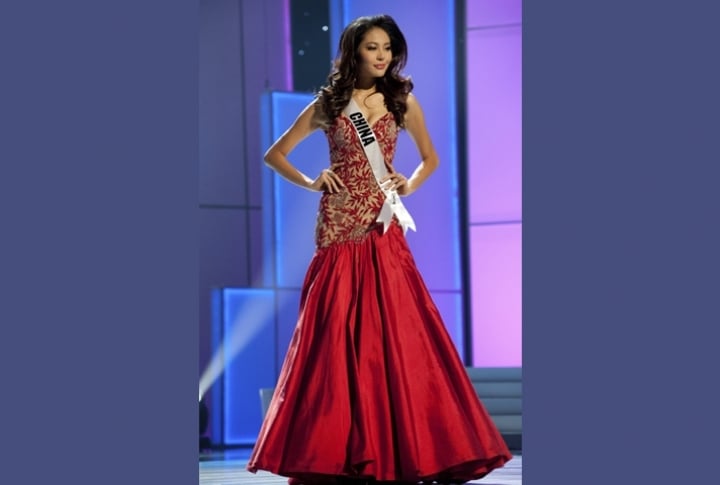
[[374, 54]]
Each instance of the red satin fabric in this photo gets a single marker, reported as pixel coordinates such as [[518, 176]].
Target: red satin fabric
[[372, 385]]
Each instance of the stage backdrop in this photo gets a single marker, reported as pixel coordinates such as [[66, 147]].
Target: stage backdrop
[[259, 229]]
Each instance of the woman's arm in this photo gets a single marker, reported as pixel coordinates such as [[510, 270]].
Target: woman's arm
[[415, 126], [276, 156]]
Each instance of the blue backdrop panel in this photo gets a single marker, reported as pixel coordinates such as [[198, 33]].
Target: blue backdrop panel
[[249, 336], [289, 222]]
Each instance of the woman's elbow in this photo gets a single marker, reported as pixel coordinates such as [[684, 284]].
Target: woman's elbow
[[269, 156]]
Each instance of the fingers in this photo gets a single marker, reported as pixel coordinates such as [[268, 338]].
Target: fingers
[[393, 181], [331, 181]]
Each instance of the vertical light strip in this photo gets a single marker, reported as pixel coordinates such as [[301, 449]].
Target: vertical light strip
[[337, 23], [217, 408], [276, 180], [288, 46], [452, 128], [345, 14]]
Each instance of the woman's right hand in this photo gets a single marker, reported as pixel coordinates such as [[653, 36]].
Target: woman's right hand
[[328, 181]]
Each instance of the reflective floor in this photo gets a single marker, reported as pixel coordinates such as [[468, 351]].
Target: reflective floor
[[228, 468]]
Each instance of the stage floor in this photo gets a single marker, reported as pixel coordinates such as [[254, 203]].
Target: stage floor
[[228, 468]]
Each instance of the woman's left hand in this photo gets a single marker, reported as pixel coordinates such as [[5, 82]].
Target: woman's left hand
[[396, 181]]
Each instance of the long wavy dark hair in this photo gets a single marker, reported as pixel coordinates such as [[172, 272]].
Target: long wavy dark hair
[[395, 87]]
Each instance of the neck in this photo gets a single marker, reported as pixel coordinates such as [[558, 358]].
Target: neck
[[365, 85]]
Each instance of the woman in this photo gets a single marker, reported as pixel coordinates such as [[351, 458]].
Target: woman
[[372, 389]]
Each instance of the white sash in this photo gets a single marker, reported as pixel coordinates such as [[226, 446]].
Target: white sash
[[392, 205]]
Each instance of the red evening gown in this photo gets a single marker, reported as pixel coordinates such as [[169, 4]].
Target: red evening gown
[[372, 386]]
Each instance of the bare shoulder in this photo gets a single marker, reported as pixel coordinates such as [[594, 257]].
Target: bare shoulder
[[311, 116], [412, 101], [414, 113], [319, 116], [315, 114]]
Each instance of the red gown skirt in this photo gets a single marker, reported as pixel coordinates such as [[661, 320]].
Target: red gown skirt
[[372, 386]]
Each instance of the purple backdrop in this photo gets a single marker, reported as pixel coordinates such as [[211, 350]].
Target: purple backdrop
[[494, 179]]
